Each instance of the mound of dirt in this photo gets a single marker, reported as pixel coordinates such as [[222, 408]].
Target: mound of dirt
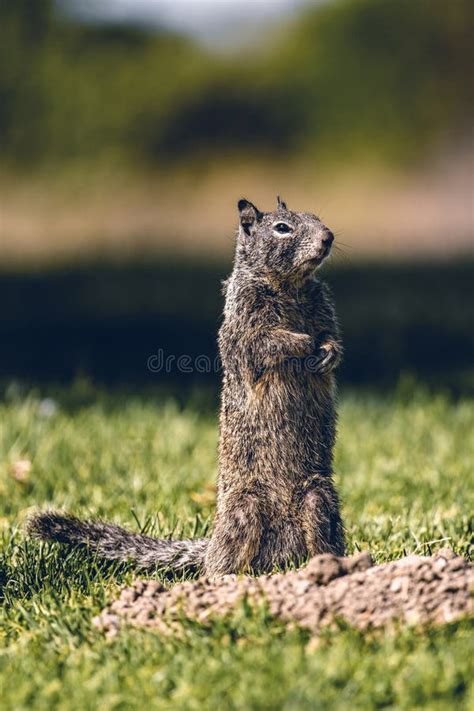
[[413, 590]]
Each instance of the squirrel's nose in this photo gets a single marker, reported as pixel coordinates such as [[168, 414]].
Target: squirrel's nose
[[328, 237]]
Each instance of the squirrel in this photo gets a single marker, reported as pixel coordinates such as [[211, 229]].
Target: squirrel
[[279, 345]]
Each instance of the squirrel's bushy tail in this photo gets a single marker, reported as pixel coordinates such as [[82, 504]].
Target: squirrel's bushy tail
[[115, 543]]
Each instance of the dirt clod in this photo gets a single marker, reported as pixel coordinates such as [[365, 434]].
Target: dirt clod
[[412, 590]]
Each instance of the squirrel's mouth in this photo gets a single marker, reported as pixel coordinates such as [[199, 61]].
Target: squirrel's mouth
[[314, 262]]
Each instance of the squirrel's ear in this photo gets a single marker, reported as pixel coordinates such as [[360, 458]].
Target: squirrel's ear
[[249, 216], [281, 204]]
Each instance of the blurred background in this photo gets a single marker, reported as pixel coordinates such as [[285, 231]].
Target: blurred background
[[130, 128]]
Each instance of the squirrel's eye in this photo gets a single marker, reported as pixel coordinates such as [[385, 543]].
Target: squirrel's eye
[[282, 228]]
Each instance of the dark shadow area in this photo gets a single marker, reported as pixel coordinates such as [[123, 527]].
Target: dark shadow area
[[127, 325]]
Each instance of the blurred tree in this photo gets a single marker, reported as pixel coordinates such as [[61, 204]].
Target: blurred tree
[[386, 79], [383, 77], [25, 27]]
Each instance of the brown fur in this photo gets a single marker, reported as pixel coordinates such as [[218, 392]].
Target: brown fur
[[279, 345]]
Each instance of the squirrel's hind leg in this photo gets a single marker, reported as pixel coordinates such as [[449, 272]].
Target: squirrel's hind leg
[[236, 537], [321, 520]]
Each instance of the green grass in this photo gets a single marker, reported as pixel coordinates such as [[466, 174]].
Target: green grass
[[404, 468]]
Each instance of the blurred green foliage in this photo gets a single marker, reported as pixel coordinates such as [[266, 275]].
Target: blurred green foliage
[[388, 79]]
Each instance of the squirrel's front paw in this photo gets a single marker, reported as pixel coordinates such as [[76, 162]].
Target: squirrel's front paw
[[328, 357]]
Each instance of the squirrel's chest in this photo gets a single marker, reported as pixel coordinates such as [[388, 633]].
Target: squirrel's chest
[[299, 315]]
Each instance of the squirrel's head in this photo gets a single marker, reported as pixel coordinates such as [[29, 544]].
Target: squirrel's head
[[285, 244]]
